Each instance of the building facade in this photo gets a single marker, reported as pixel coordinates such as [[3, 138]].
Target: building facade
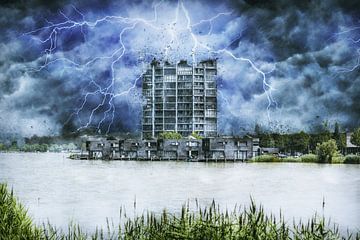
[[227, 148], [180, 98], [350, 148]]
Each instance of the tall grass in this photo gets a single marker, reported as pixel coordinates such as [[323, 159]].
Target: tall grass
[[202, 223], [14, 221]]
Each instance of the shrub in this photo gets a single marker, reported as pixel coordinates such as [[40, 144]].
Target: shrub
[[353, 159], [309, 158], [326, 150], [338, 158], [35, 148], [266, 158], [290, 159]]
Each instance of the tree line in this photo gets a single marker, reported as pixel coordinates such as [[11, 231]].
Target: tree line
[[13, 147], [304, 142]]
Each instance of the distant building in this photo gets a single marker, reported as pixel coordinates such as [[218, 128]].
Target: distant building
[[180, 98], [228, 148], [350, 148], [270, 150]]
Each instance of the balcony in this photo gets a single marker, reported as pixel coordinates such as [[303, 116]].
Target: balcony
[[198, 92], [210, 92]]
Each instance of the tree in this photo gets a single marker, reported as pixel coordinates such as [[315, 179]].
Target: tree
[[326, 151], [266, 140], [319, 138], [2, 147], [336, 130], [281, 141], [170, 135], [355, 137], [14, 146], [196, 135], [339, 137], [34, 148], [299, 142], [257, 130]]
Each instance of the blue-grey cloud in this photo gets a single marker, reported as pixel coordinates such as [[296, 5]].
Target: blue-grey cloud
[[309, 50]]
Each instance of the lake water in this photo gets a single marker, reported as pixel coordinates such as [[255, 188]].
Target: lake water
[[58, 189]]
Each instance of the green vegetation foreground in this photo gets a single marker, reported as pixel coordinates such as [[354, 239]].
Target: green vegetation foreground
[[204, 223]]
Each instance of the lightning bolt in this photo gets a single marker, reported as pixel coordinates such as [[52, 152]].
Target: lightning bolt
[[108, 93], [353, 40], [266, 86]]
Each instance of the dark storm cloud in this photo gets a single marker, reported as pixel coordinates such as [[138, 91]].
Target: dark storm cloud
[[308, 43], [313, 61]]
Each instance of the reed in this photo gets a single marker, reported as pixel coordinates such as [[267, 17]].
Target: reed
[[14, 220], [200, 223]]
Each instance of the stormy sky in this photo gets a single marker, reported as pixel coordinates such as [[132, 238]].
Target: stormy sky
[[68, 66]]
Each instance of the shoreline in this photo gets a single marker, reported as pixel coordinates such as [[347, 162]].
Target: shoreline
[[260, 159], [202, 222]]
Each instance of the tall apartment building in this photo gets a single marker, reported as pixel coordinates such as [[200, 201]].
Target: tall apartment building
[[181, 98]]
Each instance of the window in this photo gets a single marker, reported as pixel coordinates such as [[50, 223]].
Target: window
[[169, 71], [192, 144], [170, 78], [184, 71]]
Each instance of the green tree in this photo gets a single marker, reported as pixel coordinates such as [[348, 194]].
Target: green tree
[[257, 130], [170, 135], [326, 151], [355, 137], [281, 141], [299, 142], [339, 137], [2, 147], [319, 138], [196, 135], [14, 146], [35, 148], [336, 130], [266, 140]]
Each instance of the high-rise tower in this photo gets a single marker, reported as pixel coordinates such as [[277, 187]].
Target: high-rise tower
[[181, 98]]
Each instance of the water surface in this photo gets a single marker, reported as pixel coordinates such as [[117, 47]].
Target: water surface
[[58, 189]]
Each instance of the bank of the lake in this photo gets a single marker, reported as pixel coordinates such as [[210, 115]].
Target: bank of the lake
[[202, 223], [307, 158], [59, 189]]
